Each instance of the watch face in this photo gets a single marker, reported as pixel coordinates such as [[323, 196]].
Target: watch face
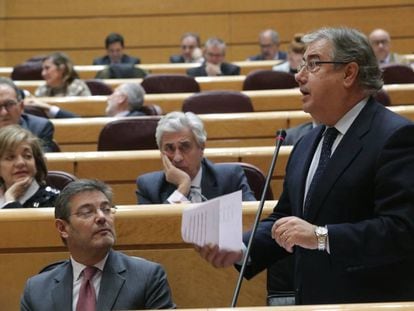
[[321, 231]]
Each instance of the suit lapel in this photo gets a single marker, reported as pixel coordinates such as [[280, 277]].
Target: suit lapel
[[209, 186], [111, 283], [62, 293], [346, 152]]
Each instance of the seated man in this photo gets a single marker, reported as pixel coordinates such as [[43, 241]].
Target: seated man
[[126, 101], [95, 277], [187, 175], [12, 112], [190, 49], [214, 65], [114, 44], [381, 44], [269, 46]]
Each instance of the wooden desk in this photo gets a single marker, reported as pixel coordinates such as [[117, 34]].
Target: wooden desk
[[224, 130], [89, 71], [121, 168], [30, 241]]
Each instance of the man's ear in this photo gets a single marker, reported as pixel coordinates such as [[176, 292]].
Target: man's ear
[[350, 74], [61, 226]]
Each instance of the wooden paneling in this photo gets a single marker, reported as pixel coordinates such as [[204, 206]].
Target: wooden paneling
[[30, 241], [152, 28]]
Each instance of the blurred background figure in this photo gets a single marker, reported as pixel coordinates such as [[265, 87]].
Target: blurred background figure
[[269, 46], [114, 45], [61, 78], [23, 170], [295, 53], [190, 49], [214, 64], [381, 44], [126, 101]]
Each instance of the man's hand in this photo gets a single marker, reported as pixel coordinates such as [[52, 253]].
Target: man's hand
[[213, 69], [219, 258], [176, 176], [291, 231], [17, 189]]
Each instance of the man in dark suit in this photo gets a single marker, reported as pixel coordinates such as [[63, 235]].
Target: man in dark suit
[[187, 175], [126, 101], [214, 65], [12, 107], [269, 46], [346, 212], [190, 49], [114, 44], [295, 133], [84, 215]]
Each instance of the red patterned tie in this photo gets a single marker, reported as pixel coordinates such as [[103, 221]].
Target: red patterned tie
[[87, 297]]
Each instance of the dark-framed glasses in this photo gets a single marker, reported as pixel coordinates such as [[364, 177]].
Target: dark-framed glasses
[[313, 65], [87, 212], [8, 105]]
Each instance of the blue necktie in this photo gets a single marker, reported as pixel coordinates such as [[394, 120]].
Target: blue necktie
[[328, 140]]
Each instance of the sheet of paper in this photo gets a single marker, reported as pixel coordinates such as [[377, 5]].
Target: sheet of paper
[[217, 221]]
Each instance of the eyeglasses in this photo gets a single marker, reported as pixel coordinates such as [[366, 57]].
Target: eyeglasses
[[88, 212], [314, 65], [8, 105]]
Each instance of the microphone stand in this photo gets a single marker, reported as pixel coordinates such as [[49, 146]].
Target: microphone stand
[[280, 137]]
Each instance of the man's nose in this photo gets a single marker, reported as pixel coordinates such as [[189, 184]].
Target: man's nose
[[3, 111], [177, 155]]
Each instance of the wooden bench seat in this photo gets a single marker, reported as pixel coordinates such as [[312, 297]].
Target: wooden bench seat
[[30, 242]]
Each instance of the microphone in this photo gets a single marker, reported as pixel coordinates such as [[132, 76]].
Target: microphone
[[280, 137]]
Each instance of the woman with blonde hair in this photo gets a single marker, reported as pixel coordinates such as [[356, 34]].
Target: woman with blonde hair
[[61, 78], [23, 170], [295, 54]]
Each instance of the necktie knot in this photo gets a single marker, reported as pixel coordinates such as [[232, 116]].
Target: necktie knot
[[89, 272], [195, 194]]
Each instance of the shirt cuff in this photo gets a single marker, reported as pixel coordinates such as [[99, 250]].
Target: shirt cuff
[[177, 197], [53, 111]]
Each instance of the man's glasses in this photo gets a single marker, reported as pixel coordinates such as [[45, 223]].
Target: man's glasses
[[8, 105], [314, 65], [88, 212]]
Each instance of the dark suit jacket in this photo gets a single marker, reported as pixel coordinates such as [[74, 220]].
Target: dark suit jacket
[[177, 59], [281, 55], [125, 59], [295, 133], [127, 283], [45, 196], [227, 69], [366, 200], [135, 113], [62, 113], [154, 189], [41, 127]]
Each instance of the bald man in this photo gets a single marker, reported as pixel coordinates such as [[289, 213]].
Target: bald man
[[381, 44]]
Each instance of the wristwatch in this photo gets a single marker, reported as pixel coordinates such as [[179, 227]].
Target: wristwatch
[[322, 236]]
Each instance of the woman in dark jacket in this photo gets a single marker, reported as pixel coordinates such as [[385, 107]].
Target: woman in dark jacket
[[23, 170]]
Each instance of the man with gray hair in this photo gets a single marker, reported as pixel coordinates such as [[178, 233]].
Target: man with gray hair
[[96, 277], [269, 46], [346, 212], [126, 101], [187, 175], [214, 64]]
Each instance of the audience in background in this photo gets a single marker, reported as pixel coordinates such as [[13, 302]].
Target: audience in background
[[269, 46], [190, 49], [95, 277], [295, 53], [23, 170], [188, 176], [214, 64], [381, 43], [114, 44], [61, 78], [12, 112], [126, 101]]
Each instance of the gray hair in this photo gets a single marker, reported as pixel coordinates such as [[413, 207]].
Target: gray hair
[[216, 42], [7, 81], [350, 45], [177, 121], [135, 94], [273, 35], [62, 203]]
